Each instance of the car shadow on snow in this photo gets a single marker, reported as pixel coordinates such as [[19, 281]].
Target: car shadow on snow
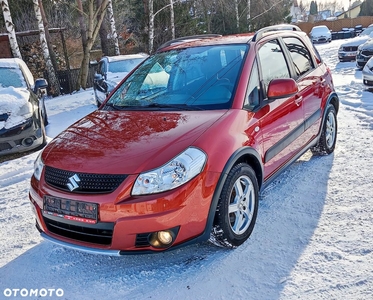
[[289, 213]]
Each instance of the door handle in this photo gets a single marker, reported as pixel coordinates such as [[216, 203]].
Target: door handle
[[298, 100]]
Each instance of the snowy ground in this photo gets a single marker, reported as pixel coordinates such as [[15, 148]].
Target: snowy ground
[[313, 238]]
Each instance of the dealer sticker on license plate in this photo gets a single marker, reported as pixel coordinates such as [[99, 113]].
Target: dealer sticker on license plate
[[70, 209]]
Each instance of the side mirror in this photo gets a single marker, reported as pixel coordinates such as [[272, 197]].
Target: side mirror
[[98, 77], [281, 88], [40, 84]]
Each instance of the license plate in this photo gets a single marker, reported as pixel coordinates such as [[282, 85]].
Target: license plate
[[70, 209]]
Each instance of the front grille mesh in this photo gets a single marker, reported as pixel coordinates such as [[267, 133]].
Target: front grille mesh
[[89, 183], [367, 52], [350, 48]]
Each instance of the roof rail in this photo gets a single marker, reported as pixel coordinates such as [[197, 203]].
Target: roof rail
[[188, 38], [258, 35]]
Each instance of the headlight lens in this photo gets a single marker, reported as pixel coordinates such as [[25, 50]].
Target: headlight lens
[[176, 172], [26, 110], [38, 167]]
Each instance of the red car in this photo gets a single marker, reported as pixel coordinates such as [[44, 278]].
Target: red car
[[180, 150]]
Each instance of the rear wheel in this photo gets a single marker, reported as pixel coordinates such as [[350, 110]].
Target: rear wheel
[[328, 138], [237, 208]]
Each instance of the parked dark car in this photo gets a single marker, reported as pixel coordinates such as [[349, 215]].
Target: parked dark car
[[180, 150], [364, 53], [111, 70], [348, 50], [23, 116]]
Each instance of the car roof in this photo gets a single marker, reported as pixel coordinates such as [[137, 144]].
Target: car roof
[[10, 62]]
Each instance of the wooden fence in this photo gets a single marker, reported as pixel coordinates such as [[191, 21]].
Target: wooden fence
[[337, 25]]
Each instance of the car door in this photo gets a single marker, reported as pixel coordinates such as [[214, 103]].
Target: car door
[[281, 120], [311, 83]]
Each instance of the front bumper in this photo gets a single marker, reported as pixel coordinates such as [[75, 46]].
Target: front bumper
[[368, 79], [133, 220], [20, 138], [347, 55], [361, 60]]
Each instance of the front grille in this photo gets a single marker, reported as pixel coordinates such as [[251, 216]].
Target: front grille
[[99, 233], [142, 240], [350, 48], [89, 183], [367, 52]]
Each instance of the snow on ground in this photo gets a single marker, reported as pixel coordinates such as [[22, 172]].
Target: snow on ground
[[313, 238]]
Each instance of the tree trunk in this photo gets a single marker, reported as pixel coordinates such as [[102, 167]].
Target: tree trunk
[[47, 36], [10, 29], [103, 32], [151, 26], [172, 19], [91, 35], [112, 27], [52, 78], [237, 15]]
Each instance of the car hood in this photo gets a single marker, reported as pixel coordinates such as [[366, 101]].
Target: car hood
[[356, 41], [14, 106], [113, 79], [368, 44], [126, 142]]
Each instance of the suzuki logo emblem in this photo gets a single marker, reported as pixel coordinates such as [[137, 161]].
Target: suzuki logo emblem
[[73, 182]]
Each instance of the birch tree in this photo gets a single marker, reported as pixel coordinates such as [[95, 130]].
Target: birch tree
[[172, 16], [10, 29], [52, 78], [112, 27], [88, 39]]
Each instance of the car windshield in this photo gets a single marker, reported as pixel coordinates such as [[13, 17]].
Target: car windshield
[[191, 78], [124, 65], [367, 31], [320, 30], [11, 77]]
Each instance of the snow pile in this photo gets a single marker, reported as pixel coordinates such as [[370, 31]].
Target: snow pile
[[14, 102]]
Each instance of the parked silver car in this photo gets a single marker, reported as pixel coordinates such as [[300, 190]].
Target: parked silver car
[[320, 34], [348, 50], [111, 70], [22, 110]]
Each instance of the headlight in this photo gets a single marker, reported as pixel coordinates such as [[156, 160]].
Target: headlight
[[26, 110], [38, 167], [176, 172]]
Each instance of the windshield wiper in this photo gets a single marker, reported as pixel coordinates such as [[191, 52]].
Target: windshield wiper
[[176, 106]]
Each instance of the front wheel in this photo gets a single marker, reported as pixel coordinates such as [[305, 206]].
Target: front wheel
[[237, 208], [328, 138]]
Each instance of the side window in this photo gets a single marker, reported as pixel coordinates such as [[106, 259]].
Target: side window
[[272, 62], [101, 68], [301, 56], [253, 89]]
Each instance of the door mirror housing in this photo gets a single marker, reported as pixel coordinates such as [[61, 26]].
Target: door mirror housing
[[40, 84], [281, 88]]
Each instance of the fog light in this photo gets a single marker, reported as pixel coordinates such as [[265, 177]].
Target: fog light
[[165, 237], [27, 142], [162, 239]]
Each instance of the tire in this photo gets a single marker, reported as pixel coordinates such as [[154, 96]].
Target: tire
[[328, 138], [237, 208]]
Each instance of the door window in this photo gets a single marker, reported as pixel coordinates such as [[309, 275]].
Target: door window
[[253, 90], [301, 56], [272, 62]]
